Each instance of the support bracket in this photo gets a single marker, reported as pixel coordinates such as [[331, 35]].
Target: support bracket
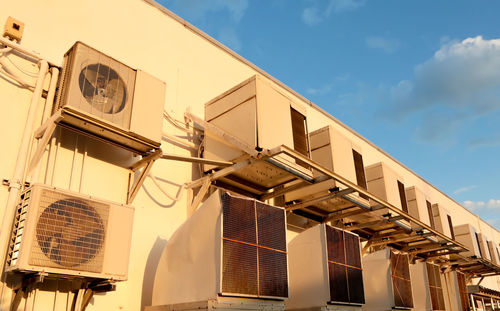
[[146, 164]]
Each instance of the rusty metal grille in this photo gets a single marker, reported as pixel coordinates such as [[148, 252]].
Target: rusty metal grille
[[344, 267], [435, 288], [254, 248], [69, 233], [401, 281]]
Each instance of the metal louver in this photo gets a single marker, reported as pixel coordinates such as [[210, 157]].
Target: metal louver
[[435, 287], [344, 267], [401, 282], [254, 254], [462, 288]]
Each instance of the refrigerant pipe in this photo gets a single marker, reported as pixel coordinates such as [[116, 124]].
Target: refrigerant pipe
[[16, 182]]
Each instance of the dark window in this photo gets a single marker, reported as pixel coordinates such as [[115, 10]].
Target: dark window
[[479, 245], [254, 248], [450, 223], [402, 196], [435, 287], [431, 214], [344, 267], [299, 131], [462, 289], [360, 171], [401, 282]]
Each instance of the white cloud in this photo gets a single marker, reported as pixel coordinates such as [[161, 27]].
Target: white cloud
[[197, 9], [229, 37], [317, 13], [475, 206], [389, 46], [485, 142], [464, 189], [459, 84], [321, 90]]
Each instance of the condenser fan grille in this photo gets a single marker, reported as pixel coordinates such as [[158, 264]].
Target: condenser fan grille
[[69, 233]]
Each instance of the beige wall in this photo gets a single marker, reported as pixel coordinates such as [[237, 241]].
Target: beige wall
[[195, 70]]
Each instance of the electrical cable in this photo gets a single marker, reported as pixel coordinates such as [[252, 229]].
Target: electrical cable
[[179, 191]]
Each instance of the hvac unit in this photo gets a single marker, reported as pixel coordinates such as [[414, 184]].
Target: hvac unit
[[419, 207], [337, 153], [230, 247], [468, 236], [69, 234], [494, 254], [387, 280], [261, 117], [457, 291], [483, 246], [109, 100], [385, 184], [435, 287], [325, 270], [442, 220], [427, 286]]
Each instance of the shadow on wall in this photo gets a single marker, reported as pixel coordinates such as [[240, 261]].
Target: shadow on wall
[[150, 272]]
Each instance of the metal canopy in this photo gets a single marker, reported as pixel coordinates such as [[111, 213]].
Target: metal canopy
[[376, 221]]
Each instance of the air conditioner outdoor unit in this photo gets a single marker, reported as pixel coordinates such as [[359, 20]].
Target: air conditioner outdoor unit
[[325, 270], [419, 207], [69, 234], [427, 286], [261, 117], [483, 246], [337, 153], [495, 255], [230, 247], [468, 236], [387, 185], [393, 286], [442, 220], [100, 96]]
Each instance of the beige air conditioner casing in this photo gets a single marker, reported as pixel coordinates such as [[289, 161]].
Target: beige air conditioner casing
[[69, 234], [107, 99], [337, 153], [261, 117], [231, 247], [466, 235], [492, 247], [441, 219], [417, 206], [325, 270]]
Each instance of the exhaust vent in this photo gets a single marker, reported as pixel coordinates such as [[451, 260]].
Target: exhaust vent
[[237, 246]]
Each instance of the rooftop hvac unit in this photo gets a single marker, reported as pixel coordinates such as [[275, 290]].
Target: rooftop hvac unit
[[387, 281], [442, 220], [230, 247], [334, 151], [419, 207], [494, 254], [325, 270], [384, 183], [107, 99], [70, 234], [468, 236], [261, 117]]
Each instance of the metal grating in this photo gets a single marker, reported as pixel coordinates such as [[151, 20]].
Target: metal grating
[[435, 287], [254, 248], [401, 282], [462, 288], [69, 232], [344, 267]]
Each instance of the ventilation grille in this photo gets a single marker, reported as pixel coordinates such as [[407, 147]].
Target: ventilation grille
[[462, 288], [18, 229], [401, 281], [435, 287], [254, 249], [69, 232], [344, 267]]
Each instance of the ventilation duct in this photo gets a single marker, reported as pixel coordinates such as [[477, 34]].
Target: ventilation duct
[[230, 247]]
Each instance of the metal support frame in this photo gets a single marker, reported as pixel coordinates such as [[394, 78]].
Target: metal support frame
[[147, 163]]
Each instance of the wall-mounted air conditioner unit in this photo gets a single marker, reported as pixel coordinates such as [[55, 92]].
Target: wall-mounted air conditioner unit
[[468, 236], [260, 116], [230, 247], [483, 246], [107, 99], [419, 206], [325, 270], [442, 220], [427, 287], [334, 151], [387, 280], [70, 234], [495, 255], [384, 183]]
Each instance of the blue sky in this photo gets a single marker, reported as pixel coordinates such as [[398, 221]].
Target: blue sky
[[421, 79]]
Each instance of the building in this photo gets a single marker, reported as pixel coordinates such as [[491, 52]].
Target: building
[[421, 237]]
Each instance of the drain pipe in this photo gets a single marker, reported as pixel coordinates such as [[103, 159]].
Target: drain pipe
[[16, 182]]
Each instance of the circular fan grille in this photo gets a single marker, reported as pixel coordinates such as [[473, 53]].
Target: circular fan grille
[[70, 232], [103, 88]]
